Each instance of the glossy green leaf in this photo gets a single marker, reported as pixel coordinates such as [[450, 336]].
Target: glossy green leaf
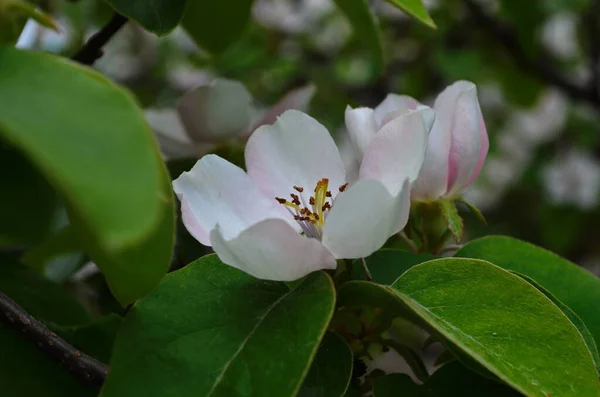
[[366, 28], [157, 16], [387, 265], [452, 219], [94, 146], [216, 25], [452, 380], [331, 369], [20, 360], [496, 318], [569, 283], [416, 9], [211, 330], [577, 322]]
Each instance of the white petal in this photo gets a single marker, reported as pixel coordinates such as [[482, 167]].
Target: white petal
[[398, 150], [220, 110], [216, 191], [433, 179], [394, 102], [364, 217], [296, 150], [272, 250], [362, 127], [467, 130]]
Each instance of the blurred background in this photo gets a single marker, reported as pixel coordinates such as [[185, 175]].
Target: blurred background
[[534, 63]]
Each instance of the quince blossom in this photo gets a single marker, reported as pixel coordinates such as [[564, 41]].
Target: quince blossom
[[294, 211], [457, 146]]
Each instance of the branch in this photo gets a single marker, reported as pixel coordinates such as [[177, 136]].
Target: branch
[[92, 50], [85, 368], [542, 68]]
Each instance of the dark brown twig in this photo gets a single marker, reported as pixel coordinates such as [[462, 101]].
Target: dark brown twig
[[85, 368], [92, 49], [539, 67]]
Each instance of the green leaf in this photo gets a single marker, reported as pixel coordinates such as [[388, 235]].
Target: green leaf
[[569, 283], [416, 9], [216, 25], [20, 360], [331, 369], [157, 16], [212, 330], [366, 28], [452, 219], [452, 380], [498, 319], [91, 141], [387, 265], [577, 322], [27, 202]]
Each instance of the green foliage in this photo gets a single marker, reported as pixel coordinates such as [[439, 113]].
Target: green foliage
[[366, 28], [452, 380], [102, 158], [28, 202], [387, 265], [492, 316], [570, 284], [211, 330], [416, 9], [216, 25], [19, 359], [330, 371], [157, 16], [577, 322], [453, 220]]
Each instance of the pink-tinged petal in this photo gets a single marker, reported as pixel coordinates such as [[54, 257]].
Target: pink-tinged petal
[[485, 146], [217, 111], [272, 250], [297, 99], [362, 127], [296, 150], [436, 172], [216, 191], [364, 217], [398, 150], [394, 102], [466, 135]]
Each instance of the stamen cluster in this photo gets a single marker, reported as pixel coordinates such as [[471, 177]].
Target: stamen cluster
[[311, 217]]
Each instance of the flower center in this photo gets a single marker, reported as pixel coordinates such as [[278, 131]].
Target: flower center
[[311, 217]]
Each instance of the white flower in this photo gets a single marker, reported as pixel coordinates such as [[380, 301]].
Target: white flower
[[573, 178], [216, 112], [294, 212], [457, 146]]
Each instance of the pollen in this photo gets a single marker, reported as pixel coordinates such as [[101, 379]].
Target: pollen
[[311, 217]]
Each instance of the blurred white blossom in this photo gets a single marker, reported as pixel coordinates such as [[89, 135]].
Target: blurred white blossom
[[131, 53], [291, 16], [573, 178], [559, 35]]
